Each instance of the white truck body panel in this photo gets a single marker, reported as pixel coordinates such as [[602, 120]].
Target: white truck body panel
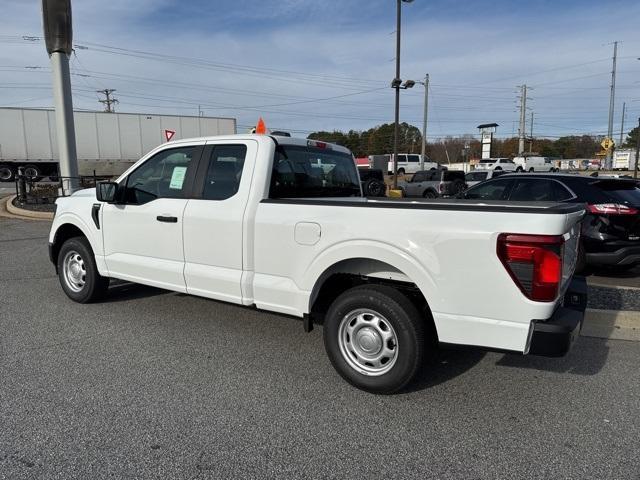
[[275, 254]]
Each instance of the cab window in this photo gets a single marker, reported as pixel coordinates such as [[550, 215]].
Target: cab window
[[414, 158], [162, 176]]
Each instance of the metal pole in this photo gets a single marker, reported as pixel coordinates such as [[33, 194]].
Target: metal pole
[[424, 121], [64, 120], [635, 170], [396, 128], [523, 111], [612, 103], [624, 107], [531, 140]]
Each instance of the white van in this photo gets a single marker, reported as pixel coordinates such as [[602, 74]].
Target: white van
[[534, 164], [410, 163]]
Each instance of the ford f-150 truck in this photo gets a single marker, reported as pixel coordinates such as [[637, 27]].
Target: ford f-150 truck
[[280, 224]]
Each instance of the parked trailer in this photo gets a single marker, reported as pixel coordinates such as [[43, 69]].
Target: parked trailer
[[106, 142], [624, 159]]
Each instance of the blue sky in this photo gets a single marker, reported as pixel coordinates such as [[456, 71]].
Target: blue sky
[[306, 66]]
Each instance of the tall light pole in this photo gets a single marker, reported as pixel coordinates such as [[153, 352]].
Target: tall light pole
[[612, 97], [397, 84], [635, 164], [56, 16], [424, 121]]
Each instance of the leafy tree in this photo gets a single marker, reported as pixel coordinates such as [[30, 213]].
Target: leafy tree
[[632, 138]]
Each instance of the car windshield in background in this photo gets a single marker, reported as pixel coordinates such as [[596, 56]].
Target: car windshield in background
[[621, 191], [300, 172]]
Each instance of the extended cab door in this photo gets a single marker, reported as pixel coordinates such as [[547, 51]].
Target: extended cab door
[[142, 233], [216, 219]]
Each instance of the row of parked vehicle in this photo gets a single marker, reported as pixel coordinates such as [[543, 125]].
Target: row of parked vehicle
[[610, 235]]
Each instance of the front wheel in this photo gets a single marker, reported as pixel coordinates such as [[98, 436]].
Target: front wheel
[[375, 338], [531, 170], [78, 273], [519, 169]]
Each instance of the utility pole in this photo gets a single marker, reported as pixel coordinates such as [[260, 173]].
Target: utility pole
[[531, 135], [108, 101], [624, 106], [424, 121], [635, 167], [612, 102], [523, 126]]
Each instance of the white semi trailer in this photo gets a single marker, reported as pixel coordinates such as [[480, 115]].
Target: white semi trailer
[[107, 143], [624, 159]]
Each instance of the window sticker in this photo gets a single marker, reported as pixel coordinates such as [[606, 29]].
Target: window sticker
[[177, 178]]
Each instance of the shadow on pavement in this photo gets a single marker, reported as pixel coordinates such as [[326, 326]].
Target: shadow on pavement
[[587, 357], [121, 291], [447, 364]]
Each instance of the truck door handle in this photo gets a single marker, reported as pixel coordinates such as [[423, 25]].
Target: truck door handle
[[162, 218]]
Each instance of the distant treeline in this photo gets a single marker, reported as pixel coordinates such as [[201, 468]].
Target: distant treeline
[[379, 140]]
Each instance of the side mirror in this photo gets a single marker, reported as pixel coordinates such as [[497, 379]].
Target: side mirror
[[106, 191]]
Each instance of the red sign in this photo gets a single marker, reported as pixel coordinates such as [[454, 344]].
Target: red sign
[[168, 134]]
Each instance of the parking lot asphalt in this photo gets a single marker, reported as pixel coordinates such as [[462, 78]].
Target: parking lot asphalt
[[152, 384]]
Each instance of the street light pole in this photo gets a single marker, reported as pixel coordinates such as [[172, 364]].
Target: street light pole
[[424, 122], [635, 169], [396, 127]]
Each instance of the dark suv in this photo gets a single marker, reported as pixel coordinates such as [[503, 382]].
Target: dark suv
[[611, 228]]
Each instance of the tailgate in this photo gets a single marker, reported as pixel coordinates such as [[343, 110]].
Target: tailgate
[[570, 249]]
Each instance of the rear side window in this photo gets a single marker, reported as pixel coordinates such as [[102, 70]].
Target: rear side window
[[224, 172], [621, 191], [303, 172], [491, 190], [419, 177], [533, 190], [560, 192], [414, 158]]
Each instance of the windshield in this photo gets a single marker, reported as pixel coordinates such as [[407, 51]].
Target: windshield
[[300, 172]]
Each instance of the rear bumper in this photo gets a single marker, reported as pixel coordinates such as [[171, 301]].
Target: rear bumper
[[553, 337], [623, 256]]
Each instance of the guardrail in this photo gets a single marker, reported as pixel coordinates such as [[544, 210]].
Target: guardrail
[[33, 191]]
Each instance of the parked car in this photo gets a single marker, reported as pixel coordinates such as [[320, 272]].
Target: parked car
[[611, 229], [280, 224], [505, 164], [534, 164], [434, 184], [372, 182], [477, 176]]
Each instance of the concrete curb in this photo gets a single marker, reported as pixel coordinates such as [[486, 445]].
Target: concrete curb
[[6, 204], [612, 324]]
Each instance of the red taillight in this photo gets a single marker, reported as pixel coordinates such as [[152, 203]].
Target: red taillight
[[612, 209], [534, 263]]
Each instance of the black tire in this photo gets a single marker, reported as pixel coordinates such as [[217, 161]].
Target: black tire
[[519, 169], [499, 169], [374, 188], [90, 285], [7, 174], [531, 170], [33, 173], [401, 171], [429, 193], [390, 306]]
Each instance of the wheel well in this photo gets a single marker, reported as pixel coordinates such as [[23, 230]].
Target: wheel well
[[64, 233], [344, 276]]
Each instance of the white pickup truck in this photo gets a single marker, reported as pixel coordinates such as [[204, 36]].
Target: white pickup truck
[[280, 224]]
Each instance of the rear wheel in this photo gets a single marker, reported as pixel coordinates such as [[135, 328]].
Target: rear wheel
[[375, 338], [78, 273], [519, 169], [374, 188], [531, 170], [430, 194], [32, 173], [7, 174], [401, 171]]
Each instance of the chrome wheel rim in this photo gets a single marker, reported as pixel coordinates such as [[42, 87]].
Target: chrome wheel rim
[[5, 173], [30, 172], [368, 342], [74, 271]]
